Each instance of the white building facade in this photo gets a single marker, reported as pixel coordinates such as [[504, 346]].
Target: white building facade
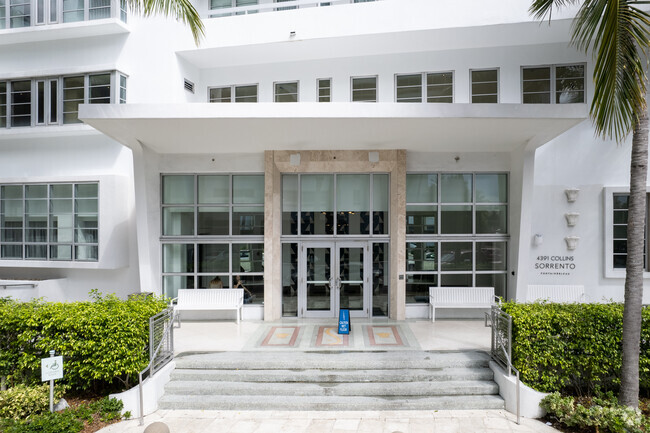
[[344, 154]]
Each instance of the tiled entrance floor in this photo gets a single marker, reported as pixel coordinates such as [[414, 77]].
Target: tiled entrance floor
[[319, 334]]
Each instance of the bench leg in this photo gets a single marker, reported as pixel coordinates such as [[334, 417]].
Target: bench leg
[[238, 315], [178, 318], [432, 309]]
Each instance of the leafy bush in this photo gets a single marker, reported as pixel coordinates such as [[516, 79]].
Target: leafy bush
[[104, 342], [572, 347], [602, 414], [57, 422], [22, 401]]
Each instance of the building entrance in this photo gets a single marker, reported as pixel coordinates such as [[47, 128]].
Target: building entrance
[[334, 275]]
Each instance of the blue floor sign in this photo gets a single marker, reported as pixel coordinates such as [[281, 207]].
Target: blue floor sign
[[344, 321]]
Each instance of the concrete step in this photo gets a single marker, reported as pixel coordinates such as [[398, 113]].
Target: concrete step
[[335, 376], [332, 360], [229, 402], [374, 389]]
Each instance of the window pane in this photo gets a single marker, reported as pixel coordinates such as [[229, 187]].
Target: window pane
[[409, 88], [248, 189], [380, 191], [178, 258], [21, 100], [178, 189], [324, 90], [246, 93], [253, 286], [289, 280], [455, 188], [498, 281], [490, 256], [421, 256], [11, 251], [491, 219], [569, 84], [36, 252], [247, 258], [364, 89], [220, 94], [213, 221], [421, 219], [214, 189], [353, 204], [73, 94], [248, 220], [456, 256], [178, 221], [171, 284], [456, 219], [286, 92], [317, 201], [456, 280], [86, 190], [61, 252], [421, 188], [214, 258], [417, 287], [86, 252], [440, 87], [290, 204], [491, 188]]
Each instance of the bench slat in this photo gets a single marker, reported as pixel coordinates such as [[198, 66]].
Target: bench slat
[[459, 297]]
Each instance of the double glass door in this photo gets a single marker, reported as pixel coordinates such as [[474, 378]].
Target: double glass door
[[334, 275]]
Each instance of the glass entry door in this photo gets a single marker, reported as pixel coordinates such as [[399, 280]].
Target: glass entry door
[[334, 275]]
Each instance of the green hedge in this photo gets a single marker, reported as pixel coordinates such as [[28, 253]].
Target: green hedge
[[573, 348], [104, 342]]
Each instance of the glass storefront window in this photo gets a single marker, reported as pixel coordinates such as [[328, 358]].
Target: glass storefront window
[[290, 280], [380, 204], [353, 204], [317, 204]]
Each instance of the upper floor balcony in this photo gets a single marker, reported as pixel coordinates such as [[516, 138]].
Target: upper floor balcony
[[226, 8], [44, 20]]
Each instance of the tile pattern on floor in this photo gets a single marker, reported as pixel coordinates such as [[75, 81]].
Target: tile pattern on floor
[[318, 336]]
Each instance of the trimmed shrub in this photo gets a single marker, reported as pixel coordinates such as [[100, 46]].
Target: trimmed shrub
[[22, 401], [602, 414], [104, 342], [573, 348]]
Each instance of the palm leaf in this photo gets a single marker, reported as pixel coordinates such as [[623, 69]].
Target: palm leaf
[[182, 10]]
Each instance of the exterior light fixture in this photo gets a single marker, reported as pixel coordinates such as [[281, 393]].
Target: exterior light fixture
[[538, 240]]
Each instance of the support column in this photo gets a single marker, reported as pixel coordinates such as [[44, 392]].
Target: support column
[[398, 237], [272, 232]]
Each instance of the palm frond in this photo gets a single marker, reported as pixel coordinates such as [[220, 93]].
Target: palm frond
[[618, 34], [541, 9], [182, 10]]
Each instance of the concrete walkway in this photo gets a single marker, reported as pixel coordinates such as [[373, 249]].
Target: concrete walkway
[[487, 421]]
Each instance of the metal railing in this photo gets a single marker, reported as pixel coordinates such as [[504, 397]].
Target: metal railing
[[501, 346], [161, 348], [275, 6]]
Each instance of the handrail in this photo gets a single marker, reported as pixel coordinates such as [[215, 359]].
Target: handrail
[[501, 347], [273, 7], [27, 285], [166, 318]]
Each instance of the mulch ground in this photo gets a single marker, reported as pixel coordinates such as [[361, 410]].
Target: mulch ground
[[96, 424]]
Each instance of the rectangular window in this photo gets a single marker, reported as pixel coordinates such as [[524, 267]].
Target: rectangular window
[[619, 232], [485, 86], [286, 92], [227, 4], [3, 14], [246, 93], [40, 101], [99, 9], [73, 95], [99, 89], [122, 89], [566, 82], [217, 211], [73, 11], [408, 88], [123, 9], [19, 13], [3, 104], [49, 222], [438, 87], [364, 89], [324, 90], [21, 103], [456, 225]]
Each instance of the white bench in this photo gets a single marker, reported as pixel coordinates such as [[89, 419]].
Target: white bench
[[208, 299], [556, 293], [460, 297]]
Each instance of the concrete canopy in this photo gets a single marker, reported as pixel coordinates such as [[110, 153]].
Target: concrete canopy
[[199, 128]]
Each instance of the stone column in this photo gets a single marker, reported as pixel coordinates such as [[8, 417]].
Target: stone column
[[398, 237], [272, 232]]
